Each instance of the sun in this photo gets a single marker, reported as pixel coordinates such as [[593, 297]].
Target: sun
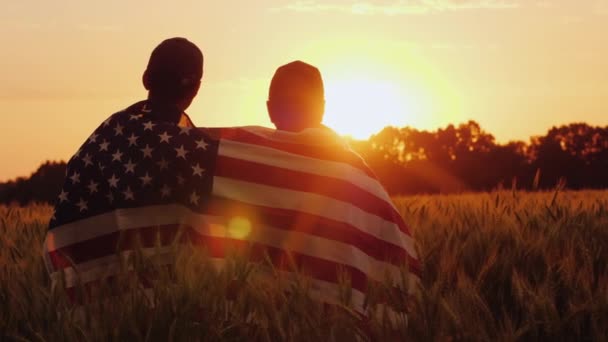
[[382, 83], [360, 107]]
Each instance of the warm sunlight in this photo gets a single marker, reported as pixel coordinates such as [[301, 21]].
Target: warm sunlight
[[360, 107], [385, 84]]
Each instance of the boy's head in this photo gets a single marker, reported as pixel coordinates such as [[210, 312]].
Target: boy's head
[[296, 99]]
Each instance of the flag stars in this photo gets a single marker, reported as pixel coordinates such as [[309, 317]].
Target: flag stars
[[87, 160], [147, 151], [110, 197], [146, 179], [93, 138], [164, 137], [75, 178], [181, 152], [197, 170], [107, 122], [165, 191], [63, 196], [118, 129], [82, 205], [117, 156], [104, 146], [202, 144], [93, 187], [163, 164], [194, 198], [130, 167], [134, 117], [149, 125], [113, 181], [185, 130], [180, 180], [129, 195], [132, 140]]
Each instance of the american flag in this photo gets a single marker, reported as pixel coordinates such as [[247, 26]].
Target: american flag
[[303, 197]]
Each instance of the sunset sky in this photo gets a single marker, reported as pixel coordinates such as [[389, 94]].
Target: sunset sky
[[517, 67]]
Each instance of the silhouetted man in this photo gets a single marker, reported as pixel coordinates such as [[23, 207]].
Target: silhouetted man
[[142, 169], [339, 212], [296, 99], [172, 78]]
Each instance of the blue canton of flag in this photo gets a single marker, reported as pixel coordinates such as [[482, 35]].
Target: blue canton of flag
[[135, 160]]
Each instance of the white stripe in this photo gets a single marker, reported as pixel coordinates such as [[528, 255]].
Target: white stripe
[[307, 244], [320, 290], [291, 161], [299, 242], [315, 204], [313, 137], [118, 220], [125, 219], [108, 266]]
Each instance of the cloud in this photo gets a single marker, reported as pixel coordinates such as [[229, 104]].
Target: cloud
[[402, 7]]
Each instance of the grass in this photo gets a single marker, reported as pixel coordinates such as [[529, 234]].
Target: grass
[[497, 266]]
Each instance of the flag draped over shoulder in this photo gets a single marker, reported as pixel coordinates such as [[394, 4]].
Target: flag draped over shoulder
[[297, 199], [136, 178]]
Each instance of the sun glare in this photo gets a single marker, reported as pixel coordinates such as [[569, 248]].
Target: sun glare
[[382, 83], [361, 107]]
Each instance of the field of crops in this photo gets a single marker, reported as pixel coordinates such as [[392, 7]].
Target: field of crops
[[497, 266]]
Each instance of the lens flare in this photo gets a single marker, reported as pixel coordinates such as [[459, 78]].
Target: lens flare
[[239, 227]]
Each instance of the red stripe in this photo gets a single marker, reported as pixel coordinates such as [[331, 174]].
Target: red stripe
[[314, 267], [278, 218], [336, 153], [306, 182], [112, 243], [291, 220], [216, 247]]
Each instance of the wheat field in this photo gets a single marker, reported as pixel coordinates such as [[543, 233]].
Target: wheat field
[[500, 266]]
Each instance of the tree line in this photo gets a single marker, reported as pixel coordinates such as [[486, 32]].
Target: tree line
[[467, 158], [451, 159]]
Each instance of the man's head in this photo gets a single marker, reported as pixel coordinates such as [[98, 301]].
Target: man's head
[[174, 72], [296, 99]]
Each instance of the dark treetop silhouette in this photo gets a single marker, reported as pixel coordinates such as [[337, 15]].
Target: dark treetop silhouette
[[409, 161]]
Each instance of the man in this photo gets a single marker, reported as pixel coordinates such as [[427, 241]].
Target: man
[[311, 203], [296, 99], [137, 175], [172, 78]]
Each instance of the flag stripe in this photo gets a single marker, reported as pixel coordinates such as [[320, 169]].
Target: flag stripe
[[120, 219], [298, 221], [305, 244], [314, 138], [336, 188], [329, 152], [290, 161], [314, 204], [319, 289], [106, 228], [315, 267]]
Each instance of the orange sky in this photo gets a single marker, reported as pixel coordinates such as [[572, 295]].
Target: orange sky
[[516, 66]]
